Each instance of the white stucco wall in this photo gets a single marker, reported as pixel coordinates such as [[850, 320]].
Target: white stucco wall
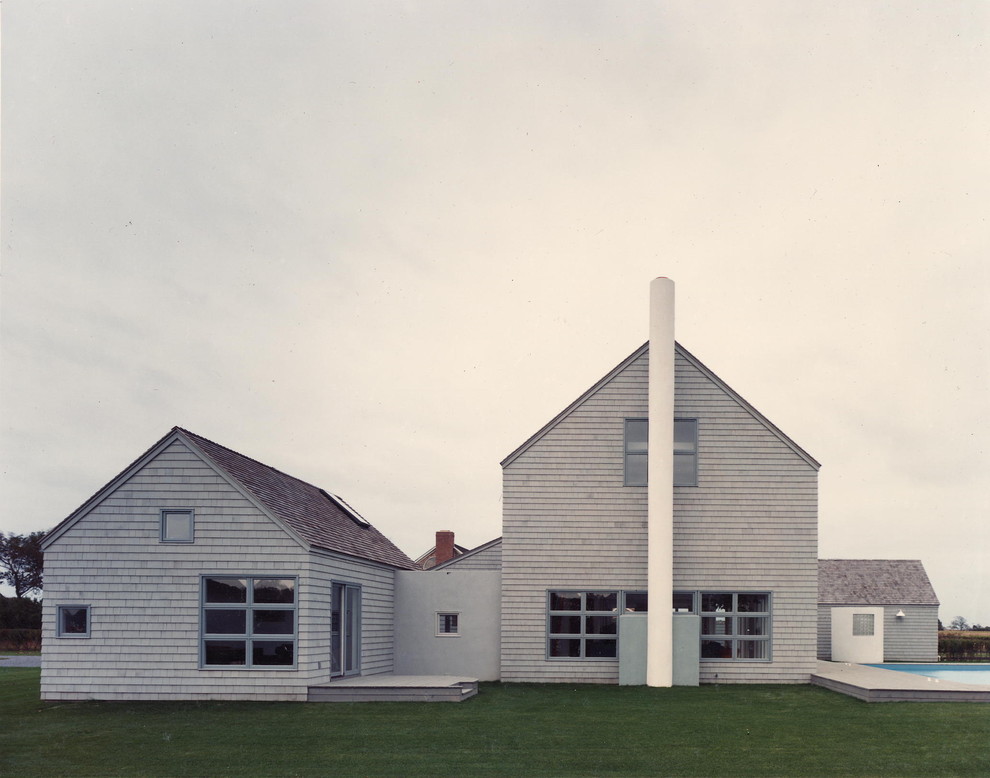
[[472, 594]]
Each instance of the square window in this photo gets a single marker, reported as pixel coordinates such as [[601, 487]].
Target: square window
[[447, 624], [72, 621], [177, 526], [636, 447], [863, 624], [248, 622]]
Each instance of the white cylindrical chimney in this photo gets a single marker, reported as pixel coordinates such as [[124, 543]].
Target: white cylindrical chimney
[[660, 489]]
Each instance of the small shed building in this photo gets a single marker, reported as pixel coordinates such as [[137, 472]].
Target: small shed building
[[876, 610]]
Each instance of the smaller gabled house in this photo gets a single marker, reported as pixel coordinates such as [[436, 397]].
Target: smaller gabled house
[[876, 610], [200, 573]]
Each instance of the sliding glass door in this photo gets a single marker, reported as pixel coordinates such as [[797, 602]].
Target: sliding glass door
[[345, 630]]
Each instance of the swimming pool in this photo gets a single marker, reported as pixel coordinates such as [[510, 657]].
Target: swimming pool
[[960, 673]]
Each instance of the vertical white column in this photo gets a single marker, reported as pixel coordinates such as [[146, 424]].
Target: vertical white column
[[660, 492]]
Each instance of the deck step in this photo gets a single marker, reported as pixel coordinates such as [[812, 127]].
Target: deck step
[[384, 693]]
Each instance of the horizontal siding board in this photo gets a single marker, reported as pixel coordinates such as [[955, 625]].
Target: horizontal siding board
[[568, 522], [144, 595]]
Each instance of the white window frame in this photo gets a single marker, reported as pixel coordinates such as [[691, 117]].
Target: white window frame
[[443, 620], [163, 524], [59, 625]]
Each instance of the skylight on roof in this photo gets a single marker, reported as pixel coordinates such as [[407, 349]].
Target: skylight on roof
[[355, 516]]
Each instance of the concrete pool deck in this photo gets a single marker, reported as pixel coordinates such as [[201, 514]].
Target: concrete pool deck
[[874, 684]]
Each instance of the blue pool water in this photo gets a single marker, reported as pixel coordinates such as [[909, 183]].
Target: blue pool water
[[976, 673]]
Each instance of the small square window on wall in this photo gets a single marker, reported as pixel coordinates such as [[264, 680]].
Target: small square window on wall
[[72, 621], [447, 624], [636, 452], [863, 624], [177, 525]]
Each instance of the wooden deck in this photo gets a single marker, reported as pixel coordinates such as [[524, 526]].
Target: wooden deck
[[874, 684], [396, 688]]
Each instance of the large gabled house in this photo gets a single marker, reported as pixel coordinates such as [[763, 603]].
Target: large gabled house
[[658, 530], [200, 573]]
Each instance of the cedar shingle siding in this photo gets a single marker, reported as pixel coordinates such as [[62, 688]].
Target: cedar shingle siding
[[894, 584], [144, 595], [568, 522]]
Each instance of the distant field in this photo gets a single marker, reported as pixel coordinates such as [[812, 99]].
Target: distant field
[[507, 730]]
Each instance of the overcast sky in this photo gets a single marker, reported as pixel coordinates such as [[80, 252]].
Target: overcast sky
[[379, 244]]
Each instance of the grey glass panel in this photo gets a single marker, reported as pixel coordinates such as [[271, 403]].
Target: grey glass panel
[[637, 435], [225, 652], [712, 603], [716, 649], [272, 652], [637, 602], [565, 601], [684, 602], [599, 648], [569, 647], [273, 622], [74, 621], [716, 625], [280, 590], [636, 469], [752, 649], [754, 603], [601, 625], [752, 625], [685, 435], [177, 526], [602, 601], [226, 590], [565, 625], [221, 621], [685, 471]]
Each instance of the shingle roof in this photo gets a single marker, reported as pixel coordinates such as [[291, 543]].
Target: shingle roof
[[312, 513], [874, 582]]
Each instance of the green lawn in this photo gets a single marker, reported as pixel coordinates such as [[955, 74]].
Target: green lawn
[[507, 730]]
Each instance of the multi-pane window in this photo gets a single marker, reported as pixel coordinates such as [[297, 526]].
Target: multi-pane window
[[177, 526], [447, 624], [863, 624], [735, 625], [582, 624], [636, 452], [72, 621], [249, 621]]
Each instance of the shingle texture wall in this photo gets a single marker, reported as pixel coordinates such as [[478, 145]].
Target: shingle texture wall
[[144, 595], [568, 522]]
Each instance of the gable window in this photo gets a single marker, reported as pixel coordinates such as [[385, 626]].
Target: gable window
[[863, 624], [72, 621], [248, 621], [582, 625], [177, 526], [636, 452], [735, 625], [447, 624]]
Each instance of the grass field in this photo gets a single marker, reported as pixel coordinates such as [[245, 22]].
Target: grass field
[[507, 730]]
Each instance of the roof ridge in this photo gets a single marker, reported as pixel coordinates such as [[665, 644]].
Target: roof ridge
[[245, 456]]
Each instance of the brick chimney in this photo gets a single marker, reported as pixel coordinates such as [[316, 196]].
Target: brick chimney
[[444, 547]]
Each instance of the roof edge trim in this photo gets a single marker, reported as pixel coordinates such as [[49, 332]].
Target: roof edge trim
[[577, 403]]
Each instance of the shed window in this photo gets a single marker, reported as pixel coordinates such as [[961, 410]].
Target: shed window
[[863, 624]]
